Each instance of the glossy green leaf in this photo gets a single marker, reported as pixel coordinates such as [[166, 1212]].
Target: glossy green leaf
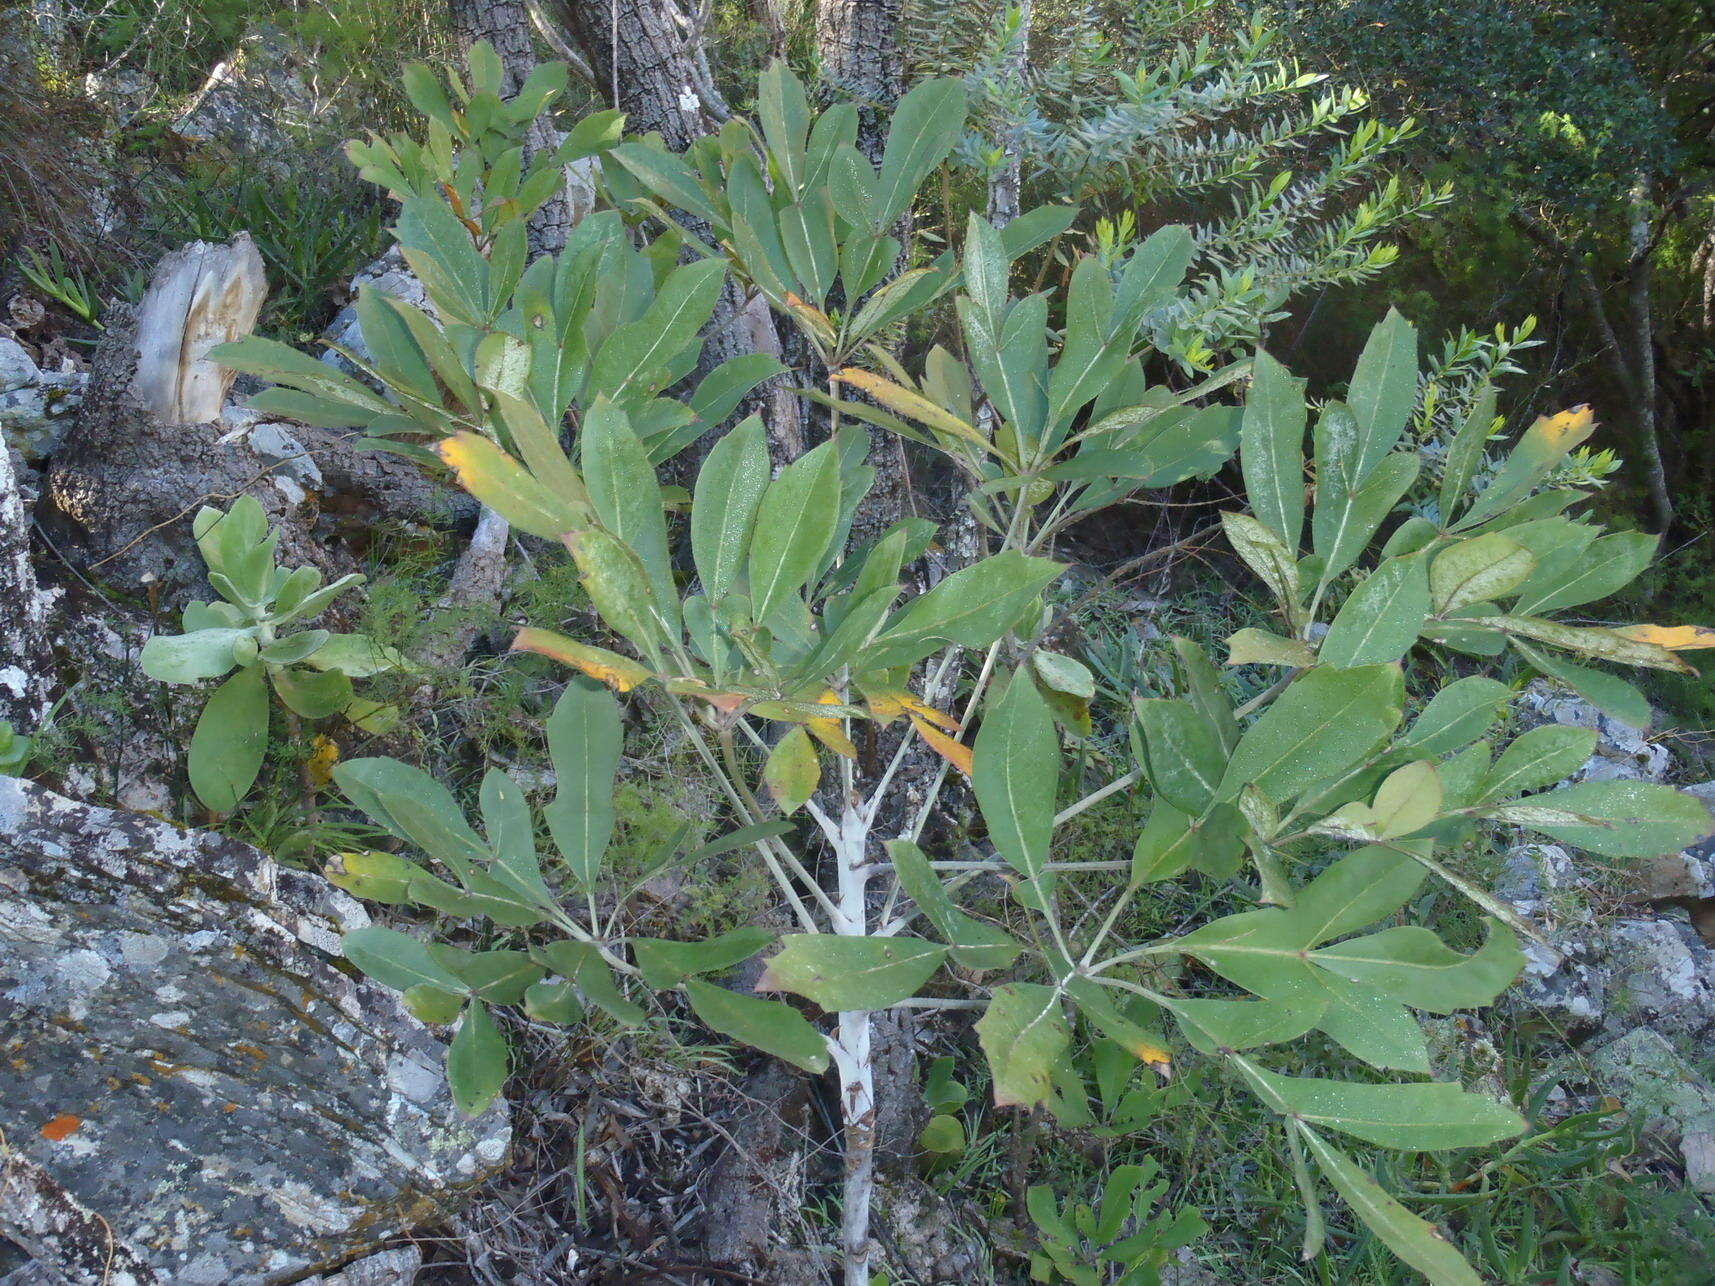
[[1185, 758], [584, 742], [795, 524], [1024, 1035], [972, 607], [230, 740], [397, 960], [1324, 723], [1383, 391], [769, 1025], [1381, 619], [1424, 1117], [975, 945], [1016, 775], [1628, 818], [1417, 1242], [666, 964], [1410, 964], [723, 510], [1455, 717], [476, 1061], [1271, 449], [627, 498], [843, 974]]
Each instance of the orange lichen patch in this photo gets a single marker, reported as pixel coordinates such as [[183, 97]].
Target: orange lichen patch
[[620, 673], [1566, 429], [62, 1126], [954, 752], [1675, 638]]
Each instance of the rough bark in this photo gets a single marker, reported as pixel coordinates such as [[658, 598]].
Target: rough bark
[[859, 44], [125, 484], [195, 1089], [508, 26], [647, 57]]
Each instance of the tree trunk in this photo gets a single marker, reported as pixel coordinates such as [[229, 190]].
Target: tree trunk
[[1643, 342], [859, 44], [507, 25], [648, 58], [26, 670], [1004, 186]]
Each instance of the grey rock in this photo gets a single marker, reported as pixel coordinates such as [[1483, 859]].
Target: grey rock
[[398, 1267], [1662, 975], [254, 100], [1654, 1083], [34, 417], [1564, 982], [274, 443], [389, 276], [1531, 874], [193, 1088], [17, 368]]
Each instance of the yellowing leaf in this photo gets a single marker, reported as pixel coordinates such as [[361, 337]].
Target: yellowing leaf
[[889, 705], [619, 672], [1566, 429], [792, 773], [324, 754], [895, 397], [1675, 638], [954, 752]]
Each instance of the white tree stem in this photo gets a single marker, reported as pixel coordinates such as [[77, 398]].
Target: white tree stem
[[850, 1049]]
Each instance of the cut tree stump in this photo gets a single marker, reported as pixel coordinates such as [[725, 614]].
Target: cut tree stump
[[201, 295]]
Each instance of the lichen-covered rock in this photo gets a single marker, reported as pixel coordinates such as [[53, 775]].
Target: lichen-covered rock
[[193, 1089], [1666, 1094]]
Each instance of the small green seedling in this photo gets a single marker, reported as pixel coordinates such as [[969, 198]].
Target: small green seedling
[[255, 634]]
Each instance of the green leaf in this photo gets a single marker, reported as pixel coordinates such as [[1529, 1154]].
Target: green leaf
[[1629, 818], [580, 963], [1413, 966], [843, 974], [792, 772], [1016, 775], [430, 1004], [1327, 721], [1610, 694], [230, 739], [1259, 647], [584, 741], [639, 355], [1479, 570], [618, 585], [1609, 564], [397, 960], [976, 945], [795, 524], [926, 123], [476, 1061], [1381, 619], [1213, 1025], [1186, 760], [1539, 758], [1268, 557], [1425, 1117], [723, 510], [500, 977], [1418, 1243], [666, 964], [1347, 516], [311, 693], [972, 607], [190, 658], [627, 498], [1025, 1037], [512, 836], [784, 113], [415, 807], [1271, 449], [769, 1025], [1465, 452], [553, 1001], [1455, 717], [1383, 391]]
